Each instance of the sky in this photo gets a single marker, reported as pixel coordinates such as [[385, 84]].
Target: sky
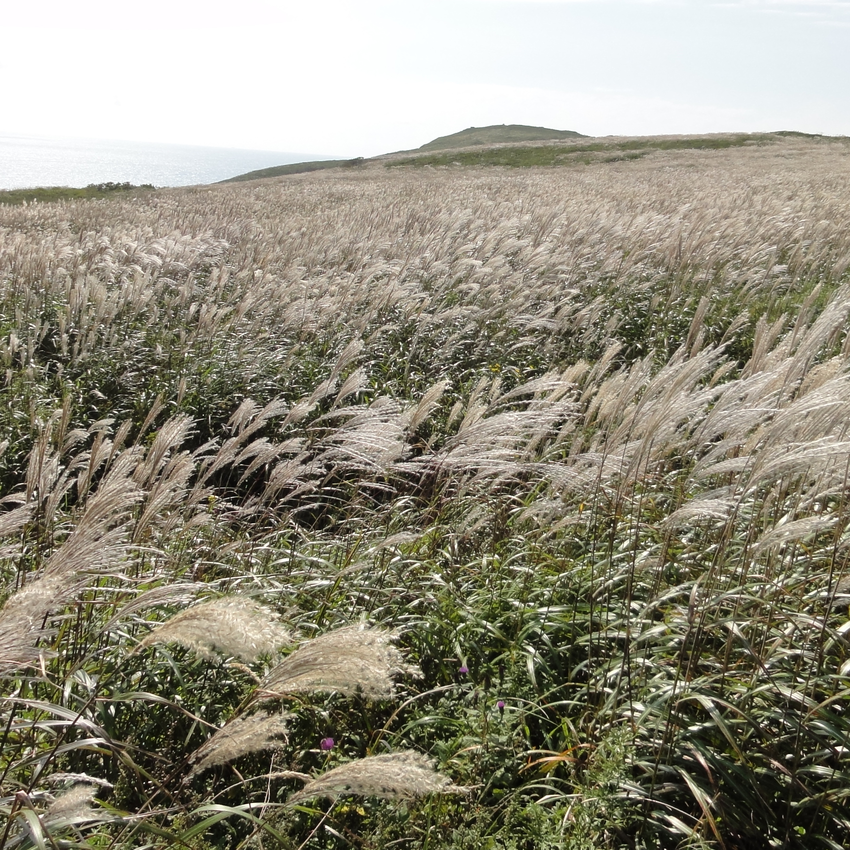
[[364, 77]]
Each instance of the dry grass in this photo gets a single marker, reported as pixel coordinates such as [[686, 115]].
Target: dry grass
[[580, 435], [350, 660], [231, 626], [395, 776]]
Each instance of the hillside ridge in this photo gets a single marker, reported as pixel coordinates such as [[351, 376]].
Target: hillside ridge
[[496, 134]]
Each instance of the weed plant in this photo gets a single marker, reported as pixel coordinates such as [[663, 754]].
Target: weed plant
[[431, 509]]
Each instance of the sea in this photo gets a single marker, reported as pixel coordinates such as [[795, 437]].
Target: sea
[[30, 161]]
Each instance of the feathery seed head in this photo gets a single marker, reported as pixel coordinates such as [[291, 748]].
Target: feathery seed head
[[230, 626], [260, 731], [350, 659], [394, 776], [23, 614], [74, 806]]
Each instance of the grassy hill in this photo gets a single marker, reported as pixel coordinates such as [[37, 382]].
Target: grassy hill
[[295, 168], [579, 153], [498, 134], [519, 146]]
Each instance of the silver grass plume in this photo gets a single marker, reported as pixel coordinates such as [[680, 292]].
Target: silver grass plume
[[427, 404], [697, 510], [393, 776], [793, 531], [246, 420], [11, 522], [260, 452], [231, 626], [14, 520], [356, 381], [22, 620], [100, 536], [370, 438], [85, 778], [167, 594], [73, 806], [347, 660], [260, 731], [166, 491], [68, 810], [348, 355], [172, 434], [298, 473], [97, 543]]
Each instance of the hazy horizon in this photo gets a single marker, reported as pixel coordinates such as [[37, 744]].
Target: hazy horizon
[[28, 161]]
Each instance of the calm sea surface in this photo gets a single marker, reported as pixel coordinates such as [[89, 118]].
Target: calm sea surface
[[27, 161]]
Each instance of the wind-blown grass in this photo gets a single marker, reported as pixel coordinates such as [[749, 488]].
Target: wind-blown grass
[[576, 440]]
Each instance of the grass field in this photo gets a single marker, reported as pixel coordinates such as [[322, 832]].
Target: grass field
[[432, 508], [579, 153]]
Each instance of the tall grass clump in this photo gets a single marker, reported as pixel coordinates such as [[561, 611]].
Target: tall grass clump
[[431, 509]]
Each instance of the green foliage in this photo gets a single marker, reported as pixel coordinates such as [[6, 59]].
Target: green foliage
[[579, 153], [296, 168], [61, 193]]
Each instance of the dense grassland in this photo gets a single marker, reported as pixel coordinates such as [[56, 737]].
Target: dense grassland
[[403, 508]]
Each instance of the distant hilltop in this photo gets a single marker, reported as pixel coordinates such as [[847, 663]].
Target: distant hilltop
[[521, 146], [496, 134], [499, 134]]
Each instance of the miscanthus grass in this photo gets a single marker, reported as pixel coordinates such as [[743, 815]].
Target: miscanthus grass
[[230, 626], [347, 660], [394, 776], [327, 497]]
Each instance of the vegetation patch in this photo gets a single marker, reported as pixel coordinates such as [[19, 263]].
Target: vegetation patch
[[575, 154], [401, 508], [296, 168], [63, 193]]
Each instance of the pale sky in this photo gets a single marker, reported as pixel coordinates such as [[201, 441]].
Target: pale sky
[[363, 77]]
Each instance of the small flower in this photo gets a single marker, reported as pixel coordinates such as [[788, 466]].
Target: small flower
[[501, 705], [326, 744], [463, 669]]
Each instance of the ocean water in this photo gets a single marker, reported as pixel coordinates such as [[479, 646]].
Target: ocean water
[[28, 161]]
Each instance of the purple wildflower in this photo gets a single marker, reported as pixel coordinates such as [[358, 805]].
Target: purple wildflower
[[500, 705], [327, 744], [463, 669]]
